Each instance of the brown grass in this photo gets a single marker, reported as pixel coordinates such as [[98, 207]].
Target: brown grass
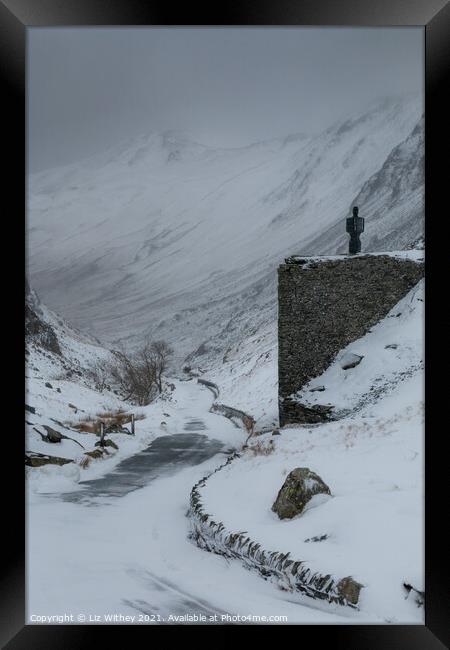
[[84, 462], [249, 424], [91, 424], [86, 427], [262, 449]]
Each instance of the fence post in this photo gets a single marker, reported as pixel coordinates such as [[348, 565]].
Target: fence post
[[132, 424], [102, 434]]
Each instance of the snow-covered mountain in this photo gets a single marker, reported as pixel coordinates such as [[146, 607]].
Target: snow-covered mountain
[[392, 199], [168, 237]]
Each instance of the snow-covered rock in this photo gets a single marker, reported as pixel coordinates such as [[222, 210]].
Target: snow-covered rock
[[298, 489], [350, 360]]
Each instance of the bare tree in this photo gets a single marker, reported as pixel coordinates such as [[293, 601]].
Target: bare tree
[[161, 353], [138, 375]]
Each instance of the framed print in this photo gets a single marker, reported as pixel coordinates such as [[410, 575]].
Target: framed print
[[228, 342]]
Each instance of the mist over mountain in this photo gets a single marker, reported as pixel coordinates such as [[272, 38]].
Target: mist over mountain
[[165, 236], [392, 199]]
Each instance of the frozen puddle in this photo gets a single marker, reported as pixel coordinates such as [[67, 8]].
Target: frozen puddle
[[164, 456]]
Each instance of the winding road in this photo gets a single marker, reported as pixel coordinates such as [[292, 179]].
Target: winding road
[[163, 457], [83, 538], [119, 544]]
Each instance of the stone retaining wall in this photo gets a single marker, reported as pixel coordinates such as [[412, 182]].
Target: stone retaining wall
[[228, 411], [278, 567], [326, 303], [211, 385], [234, 414]]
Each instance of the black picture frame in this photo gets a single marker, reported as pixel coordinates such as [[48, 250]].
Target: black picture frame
[[16, 16]]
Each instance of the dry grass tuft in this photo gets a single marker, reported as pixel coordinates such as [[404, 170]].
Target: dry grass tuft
[[262, 449], [249, 423], [86, 427], [84, 462]]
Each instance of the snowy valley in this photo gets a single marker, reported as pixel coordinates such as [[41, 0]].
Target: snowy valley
[[165, 238], [371, 458]]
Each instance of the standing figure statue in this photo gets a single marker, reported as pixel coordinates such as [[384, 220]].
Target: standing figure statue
[[355, 226]]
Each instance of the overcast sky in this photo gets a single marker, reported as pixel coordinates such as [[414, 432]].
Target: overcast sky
[[91, 87]]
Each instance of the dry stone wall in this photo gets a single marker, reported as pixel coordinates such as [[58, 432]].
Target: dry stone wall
[[288, 573], [326, 303]]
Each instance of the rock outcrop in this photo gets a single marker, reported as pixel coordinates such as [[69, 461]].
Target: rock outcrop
[[33, 459], [40, 332]]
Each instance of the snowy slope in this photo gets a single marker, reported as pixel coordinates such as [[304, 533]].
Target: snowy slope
[[371, 458], [392, 202], [165, 236], [391, 352], [60, 393], [55, 351]]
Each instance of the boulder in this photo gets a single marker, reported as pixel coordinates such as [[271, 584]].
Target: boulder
[[349, 589], [33, 459], [298, 489], [52, 434], [316, 389], [350, 360]]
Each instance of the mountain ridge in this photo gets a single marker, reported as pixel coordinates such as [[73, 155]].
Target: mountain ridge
[[183, 246]]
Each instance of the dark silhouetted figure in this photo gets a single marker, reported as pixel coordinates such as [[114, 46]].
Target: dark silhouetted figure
[[355, 226]]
